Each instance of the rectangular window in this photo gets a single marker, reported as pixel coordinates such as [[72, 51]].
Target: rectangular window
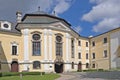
[[72, 48], [93, 55], [105, 53], [79, 43], [36, 65], [105, 40], [58, 49], [79, 55], [86, 44], [14, 50], [86, 55], [93, 43], [36, 48]]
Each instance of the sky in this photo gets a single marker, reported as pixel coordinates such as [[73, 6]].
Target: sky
[[87, 17]]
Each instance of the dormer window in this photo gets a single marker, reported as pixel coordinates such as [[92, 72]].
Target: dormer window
[[5, 25]]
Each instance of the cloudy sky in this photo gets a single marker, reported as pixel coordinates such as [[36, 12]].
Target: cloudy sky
[[87, 17]]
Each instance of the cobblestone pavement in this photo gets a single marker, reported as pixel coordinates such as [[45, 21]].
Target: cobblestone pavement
[[113, 75]]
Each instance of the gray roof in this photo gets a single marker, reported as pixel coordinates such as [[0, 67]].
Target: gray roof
[[39, 12], [39, 19]]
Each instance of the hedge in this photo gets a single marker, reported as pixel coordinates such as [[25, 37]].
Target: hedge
[[91, 70], [18, 73]]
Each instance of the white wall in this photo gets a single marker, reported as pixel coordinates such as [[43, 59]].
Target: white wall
[[114, 45]]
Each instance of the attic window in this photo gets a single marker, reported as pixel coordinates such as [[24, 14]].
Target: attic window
[[6, 25]]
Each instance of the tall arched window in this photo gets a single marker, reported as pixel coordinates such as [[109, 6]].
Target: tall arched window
[[36, 45], [58, 45], [36, 65], [72, 48]]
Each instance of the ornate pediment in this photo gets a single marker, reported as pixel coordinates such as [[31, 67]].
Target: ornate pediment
[[60, 26], [59, 59]]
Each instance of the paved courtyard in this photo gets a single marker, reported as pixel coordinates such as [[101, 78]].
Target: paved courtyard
[[114, 75]]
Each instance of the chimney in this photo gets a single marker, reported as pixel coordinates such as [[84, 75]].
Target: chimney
[[19, 16]]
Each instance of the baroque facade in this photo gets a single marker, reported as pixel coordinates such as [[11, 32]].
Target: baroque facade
[[44, 42]]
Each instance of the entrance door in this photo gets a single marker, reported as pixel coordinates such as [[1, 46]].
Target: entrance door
[[58, 67], [79, 67], [14, 66]]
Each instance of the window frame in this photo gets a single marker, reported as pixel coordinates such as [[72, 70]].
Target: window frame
[[79, 43], [38, 66], [93, 43], [36, 45], [72, 48], [105, 40], [59, 46], [14, 44], [105, 54], [79, 55], [87, 45], [14, 49], [93, 56], [87, 56]]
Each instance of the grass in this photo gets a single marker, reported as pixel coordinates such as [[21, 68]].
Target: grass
[[32, 77]]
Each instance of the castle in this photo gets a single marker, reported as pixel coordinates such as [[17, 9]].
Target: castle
[[44, 42]]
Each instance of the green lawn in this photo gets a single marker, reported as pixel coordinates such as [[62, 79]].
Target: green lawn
[[32, 77]]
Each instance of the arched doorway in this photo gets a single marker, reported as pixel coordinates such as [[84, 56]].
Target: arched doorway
[[14, 66], [59, 67], [79, 66]]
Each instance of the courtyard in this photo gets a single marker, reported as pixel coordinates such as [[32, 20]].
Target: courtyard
[[110, 75]]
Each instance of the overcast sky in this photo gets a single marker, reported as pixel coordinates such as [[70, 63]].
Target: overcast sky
[[87, 17]]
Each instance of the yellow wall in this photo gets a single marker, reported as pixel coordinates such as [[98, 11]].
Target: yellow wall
[[6, 53], [100, 61]]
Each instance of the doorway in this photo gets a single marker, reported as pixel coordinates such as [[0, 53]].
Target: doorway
[[59, 67], [79, 66], [14, 66]]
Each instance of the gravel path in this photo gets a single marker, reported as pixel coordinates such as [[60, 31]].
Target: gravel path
[[65, 77]]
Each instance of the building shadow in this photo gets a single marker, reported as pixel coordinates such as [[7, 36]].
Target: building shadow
[[4, 65]]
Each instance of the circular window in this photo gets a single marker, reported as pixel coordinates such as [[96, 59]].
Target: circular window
[[58, 38], [6, 25], [36, 37]]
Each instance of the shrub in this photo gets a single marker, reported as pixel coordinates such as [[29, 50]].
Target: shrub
[[33, 73], [23, 73], [10, 73], [0, 74], [100, 70]]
